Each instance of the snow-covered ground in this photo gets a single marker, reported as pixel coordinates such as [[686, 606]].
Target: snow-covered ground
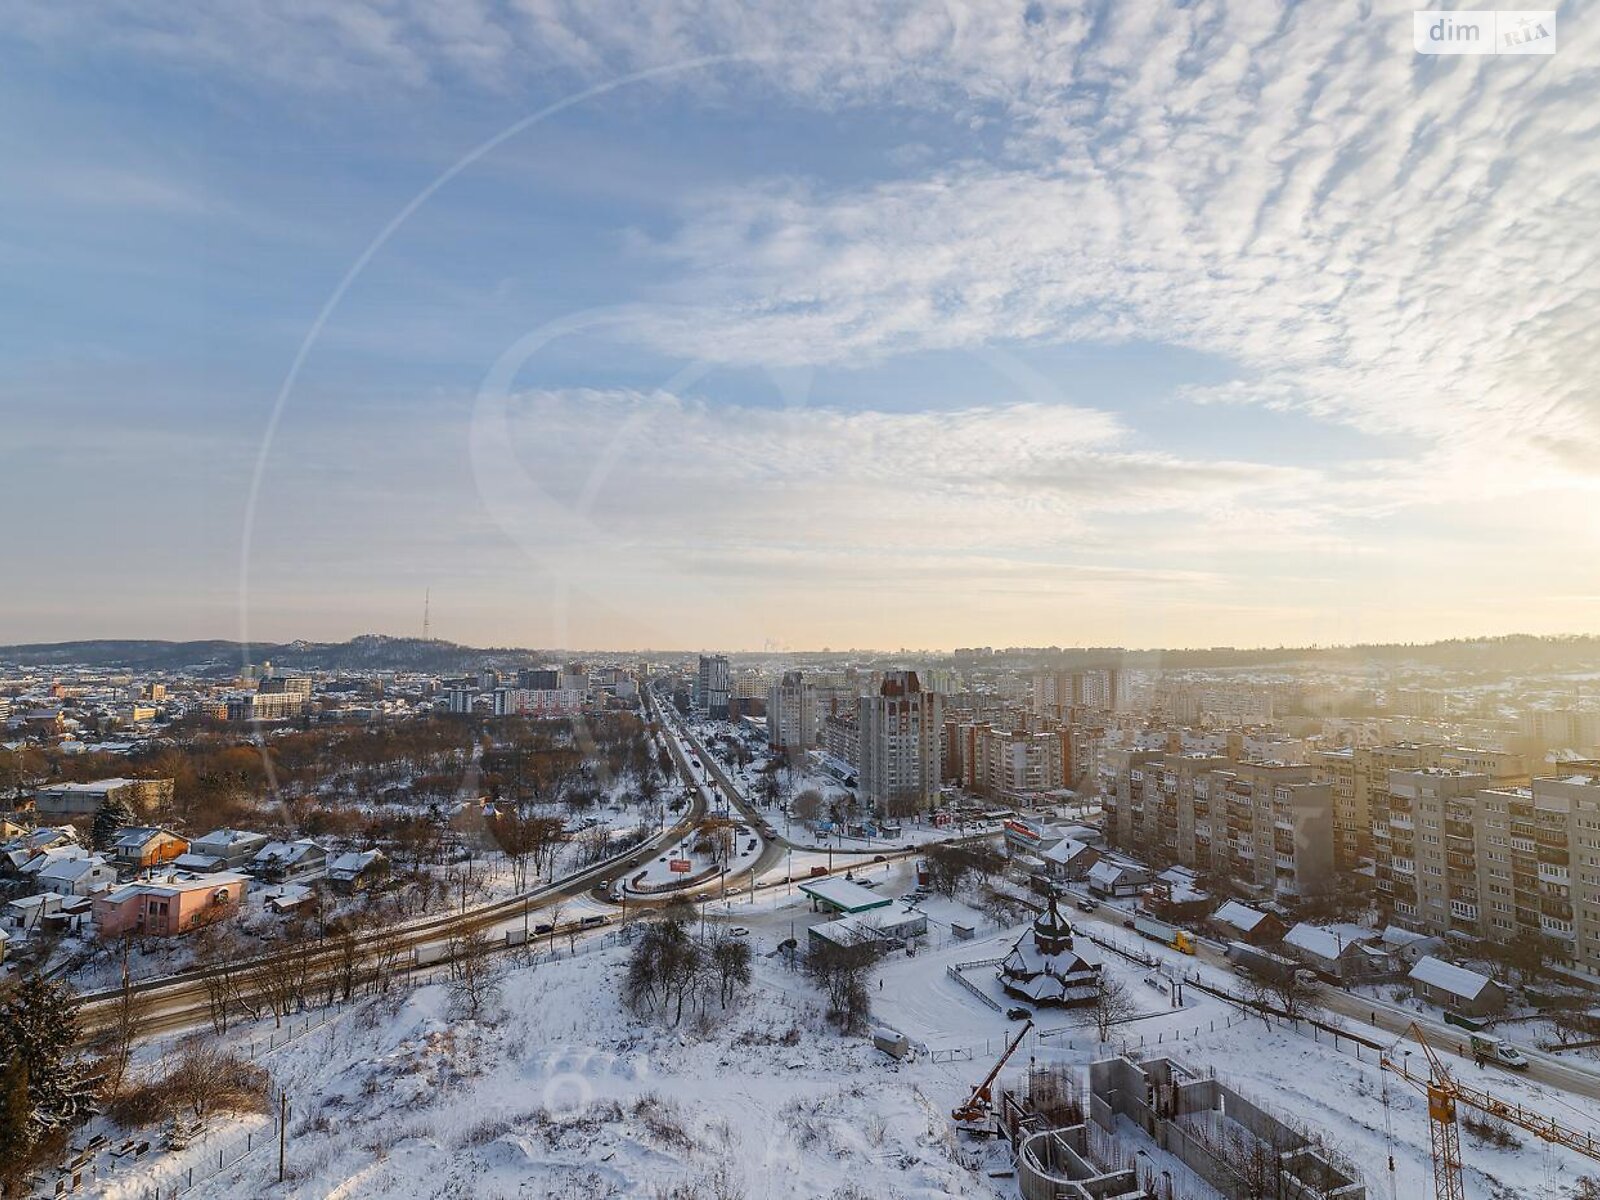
[[560, 1092]]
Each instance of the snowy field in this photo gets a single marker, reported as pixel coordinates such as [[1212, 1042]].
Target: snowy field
[[558, 1091]]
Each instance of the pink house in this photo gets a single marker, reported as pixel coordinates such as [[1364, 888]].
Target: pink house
[[173, 904]]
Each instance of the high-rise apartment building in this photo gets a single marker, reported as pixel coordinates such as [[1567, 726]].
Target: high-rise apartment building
[[711, 687], [1512, 864], [899, 728], [1098, 688], [1266, 826], [793, 722]]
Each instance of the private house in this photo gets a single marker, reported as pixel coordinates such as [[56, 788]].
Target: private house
[[66, 852], [225, 850], [21, 850], [352, 871], [1453, 987], [83, 875], [27, 913], [141, 848], [169, 905], [1235, 922], [1069, 860], [289, 862], [1331, 953], [1109, 877]]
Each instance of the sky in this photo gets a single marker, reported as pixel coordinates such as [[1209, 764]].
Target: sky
[[845, 324]]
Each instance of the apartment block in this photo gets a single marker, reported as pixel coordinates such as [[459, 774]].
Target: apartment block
[[1266, 826], [899, 750], [792, 719], [711, 687], [1513, 864]]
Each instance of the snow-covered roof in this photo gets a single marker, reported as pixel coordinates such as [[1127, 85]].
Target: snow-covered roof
[[1065, 851], [1323, 943], [353, 862], [1240, 916], [844, 895], [70, 869], [1108, 871], [1447, 977], [286, 852]]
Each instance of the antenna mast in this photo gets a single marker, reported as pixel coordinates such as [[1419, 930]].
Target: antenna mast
[[427, 632]]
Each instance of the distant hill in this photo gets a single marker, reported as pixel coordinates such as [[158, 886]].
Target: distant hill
[[372, 652], [378, 652]]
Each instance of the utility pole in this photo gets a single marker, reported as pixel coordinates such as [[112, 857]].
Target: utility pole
[[283, 1127]]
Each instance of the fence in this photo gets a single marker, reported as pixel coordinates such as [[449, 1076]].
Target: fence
[[955, 972]]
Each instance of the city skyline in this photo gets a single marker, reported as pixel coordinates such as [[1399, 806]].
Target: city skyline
[[829, 327]]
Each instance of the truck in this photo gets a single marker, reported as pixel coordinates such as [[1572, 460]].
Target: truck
[[426, 956], [1489, 1047], [1167, 935]]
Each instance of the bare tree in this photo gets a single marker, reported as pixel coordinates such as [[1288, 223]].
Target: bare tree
[[841, 970], [1112, 1004], [730, 960], [127, 1018], [474, 983]]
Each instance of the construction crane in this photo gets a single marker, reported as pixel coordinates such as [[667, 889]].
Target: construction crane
[[980, 1104], [1444, 1092]]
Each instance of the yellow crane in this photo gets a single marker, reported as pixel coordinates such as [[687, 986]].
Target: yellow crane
[[1445, 1092]]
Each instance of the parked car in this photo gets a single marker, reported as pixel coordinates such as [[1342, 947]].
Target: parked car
[[739, 931], [1018, 1014], [593, 922], [1088, 905], [542, 928], [879, 858]]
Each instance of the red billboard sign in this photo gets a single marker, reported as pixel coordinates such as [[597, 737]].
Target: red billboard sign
[[679, 866]]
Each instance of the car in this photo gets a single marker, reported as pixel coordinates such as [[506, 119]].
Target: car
[[739, 931], [1128, 924], [1088, 905], [879, 858], [750, 845], [1018, 1014], [542, 928], [869, 883], [594, 922]]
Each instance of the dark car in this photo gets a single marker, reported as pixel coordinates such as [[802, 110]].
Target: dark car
[[879, 858], [544, 927], [1088, 905], [1017, 1014]]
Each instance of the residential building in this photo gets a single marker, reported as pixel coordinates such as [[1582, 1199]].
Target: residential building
[[520, 702], [793, 719], [266, 706], [899, 753], [711, 687], [1266, 826], [1449, 986], [289, 862], [286, 685], [143, 847], [169, 905], [84, 876], [224, 850]]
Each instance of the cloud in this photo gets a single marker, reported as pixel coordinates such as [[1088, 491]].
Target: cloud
[[1023, 479]]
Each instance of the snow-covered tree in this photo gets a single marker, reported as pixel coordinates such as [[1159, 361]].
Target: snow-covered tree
[[39, 1034]]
